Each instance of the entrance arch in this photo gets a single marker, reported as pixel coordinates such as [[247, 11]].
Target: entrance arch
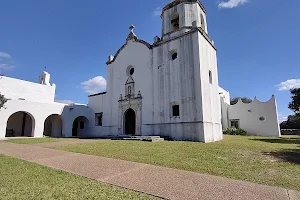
[[130, 122], [53, 126], [20, 124], [80, 127]]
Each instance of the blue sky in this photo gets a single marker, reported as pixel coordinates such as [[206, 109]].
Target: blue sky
[[258, 42]]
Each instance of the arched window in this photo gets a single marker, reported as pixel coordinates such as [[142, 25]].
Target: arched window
[[174, 55], [202, 22], [129, 90], [175, 21]]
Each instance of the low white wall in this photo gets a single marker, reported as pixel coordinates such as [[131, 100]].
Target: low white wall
[[40, 112], [225, 102], [18, 89], [249, 117]]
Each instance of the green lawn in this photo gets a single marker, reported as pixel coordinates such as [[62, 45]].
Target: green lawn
[[270, 161], [24, 180], [37, 140]]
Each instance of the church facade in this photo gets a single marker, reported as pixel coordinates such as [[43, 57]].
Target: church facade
[[168, 88]]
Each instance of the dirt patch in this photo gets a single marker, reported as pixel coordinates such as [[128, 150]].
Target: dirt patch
[[269, 172]]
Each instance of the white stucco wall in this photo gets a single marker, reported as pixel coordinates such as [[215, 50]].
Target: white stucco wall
[[249, 117], [139, 56], [39, 113], [18, 89], [175, 82], [225, 102], [98, 104], [211, 106]]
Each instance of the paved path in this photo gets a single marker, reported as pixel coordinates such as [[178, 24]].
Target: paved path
[[159, 181]]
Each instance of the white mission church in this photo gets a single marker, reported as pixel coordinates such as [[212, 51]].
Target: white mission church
[[169, 88]]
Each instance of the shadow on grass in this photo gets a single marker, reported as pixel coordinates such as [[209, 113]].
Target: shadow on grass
[[288, 155], [291, 140]]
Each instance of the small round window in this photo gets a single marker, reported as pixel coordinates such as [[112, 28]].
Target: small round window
[[262, 119], [130, 70], [173, 54]]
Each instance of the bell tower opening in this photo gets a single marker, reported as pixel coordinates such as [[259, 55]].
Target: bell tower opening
[[44, 78], [175, 21], [202, 22], [182, 16]]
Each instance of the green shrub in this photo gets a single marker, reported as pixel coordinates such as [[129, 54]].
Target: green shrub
[[234, 131]]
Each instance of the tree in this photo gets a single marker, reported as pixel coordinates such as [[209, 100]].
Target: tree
[[293, 122], [3, 100], [295, 103], [244, 99]]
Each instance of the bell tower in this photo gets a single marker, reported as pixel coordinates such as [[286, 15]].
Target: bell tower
[[44, 78], [180, 16], [187, 77]]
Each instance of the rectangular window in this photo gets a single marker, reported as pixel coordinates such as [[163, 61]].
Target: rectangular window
[[81, 125], [175, 110], [210, 77], [98, 119], [235, 123]]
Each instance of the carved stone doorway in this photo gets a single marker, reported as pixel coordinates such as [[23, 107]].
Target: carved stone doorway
[[130, 122]]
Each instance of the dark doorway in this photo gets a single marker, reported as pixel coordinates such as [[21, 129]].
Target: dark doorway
[[80, 127], [75, 129], [130, 122]]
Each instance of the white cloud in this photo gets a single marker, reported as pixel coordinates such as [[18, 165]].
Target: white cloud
[[94, 85], [6, 67], [289, 84], [65, 101], [232, 3], [282, 117], [5, 55], [5, 59], [157, 11]]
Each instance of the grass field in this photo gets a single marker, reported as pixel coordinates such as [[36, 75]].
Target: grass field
[[270, 161], [38, 140], [24, 180]]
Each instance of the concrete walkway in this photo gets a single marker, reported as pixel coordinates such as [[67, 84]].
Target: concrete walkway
[[159, 181]]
